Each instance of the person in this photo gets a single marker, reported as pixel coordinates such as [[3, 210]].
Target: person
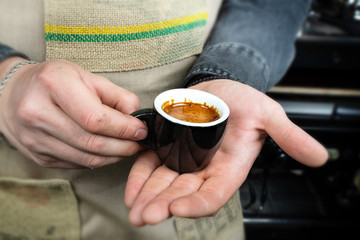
[[71, 166]]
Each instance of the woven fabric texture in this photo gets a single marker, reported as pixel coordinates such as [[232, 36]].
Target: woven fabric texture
[[38, 209], [113, 35]]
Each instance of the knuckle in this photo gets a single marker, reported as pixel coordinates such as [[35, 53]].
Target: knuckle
[[95, 143], [92, 161], [123, 130], [132, 149], [53, 70], [29, 142], [133, 98], [28, 113], [45, 161], [278, 108], [47, 74], [93, 122]]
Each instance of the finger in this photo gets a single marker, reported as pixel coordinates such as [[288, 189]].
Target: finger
[[115, 96], [32, 150], [159, 208], [160, 179], [50, 149], [213, 194], [295, 141], [59, 125], [223, 177], [84, 106], [37, 158], [140, 172], [52, 162]]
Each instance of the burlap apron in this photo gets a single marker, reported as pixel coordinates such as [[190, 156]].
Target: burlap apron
[[41, 203]]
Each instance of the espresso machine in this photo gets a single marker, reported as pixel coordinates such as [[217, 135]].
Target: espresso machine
[[283, 199]]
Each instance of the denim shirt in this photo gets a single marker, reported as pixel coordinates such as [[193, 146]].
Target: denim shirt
[[252, 42]]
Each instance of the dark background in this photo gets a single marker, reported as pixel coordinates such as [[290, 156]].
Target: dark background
[[282, 199]]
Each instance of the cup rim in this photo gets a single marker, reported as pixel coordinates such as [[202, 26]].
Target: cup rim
[[193, 95]]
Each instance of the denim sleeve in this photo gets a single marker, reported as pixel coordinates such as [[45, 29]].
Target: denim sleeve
[[6, 51], [252, 42]]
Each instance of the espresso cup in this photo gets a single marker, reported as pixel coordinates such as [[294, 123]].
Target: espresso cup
[[181, 145]]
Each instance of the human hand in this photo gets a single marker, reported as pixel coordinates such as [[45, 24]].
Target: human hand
[[154, 192], [60, 115]]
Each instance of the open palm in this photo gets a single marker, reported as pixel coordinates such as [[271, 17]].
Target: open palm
[[154, 192]]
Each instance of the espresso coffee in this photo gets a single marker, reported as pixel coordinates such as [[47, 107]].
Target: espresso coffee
[[191, 112], [188, 145]]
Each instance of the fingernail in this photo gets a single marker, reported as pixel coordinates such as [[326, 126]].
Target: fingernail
[[140, 134]]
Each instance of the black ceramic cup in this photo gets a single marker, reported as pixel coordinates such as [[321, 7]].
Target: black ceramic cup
[[183, 146]]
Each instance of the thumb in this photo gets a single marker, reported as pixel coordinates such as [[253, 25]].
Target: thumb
[[295, 141]]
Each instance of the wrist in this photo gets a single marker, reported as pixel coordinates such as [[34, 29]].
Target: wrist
[[9, 62], [10, 67], [7, 68]]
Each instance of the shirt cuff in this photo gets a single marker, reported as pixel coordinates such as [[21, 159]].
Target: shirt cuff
[[6, 51]]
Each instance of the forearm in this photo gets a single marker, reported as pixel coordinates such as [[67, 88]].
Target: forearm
[[252, 42]]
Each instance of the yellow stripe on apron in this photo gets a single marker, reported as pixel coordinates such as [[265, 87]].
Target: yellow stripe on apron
[[111, 35]]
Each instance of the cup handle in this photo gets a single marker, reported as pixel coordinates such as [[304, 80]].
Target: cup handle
[[148, 116]]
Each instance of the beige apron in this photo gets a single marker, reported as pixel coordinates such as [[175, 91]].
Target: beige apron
[[28, 191]]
